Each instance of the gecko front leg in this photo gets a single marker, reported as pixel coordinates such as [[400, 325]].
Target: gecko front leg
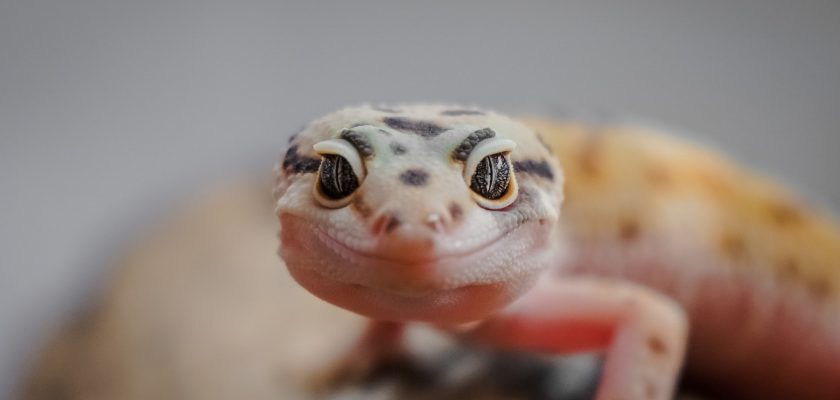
[[642, 332], [381, 344]]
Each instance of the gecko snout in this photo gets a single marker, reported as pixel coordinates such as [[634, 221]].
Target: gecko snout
[[435, 220]]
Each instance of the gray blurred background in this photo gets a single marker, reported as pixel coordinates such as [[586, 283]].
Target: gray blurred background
[[111, 111]]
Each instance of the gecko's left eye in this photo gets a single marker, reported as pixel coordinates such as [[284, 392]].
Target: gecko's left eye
[[340, 174], [489, 174]]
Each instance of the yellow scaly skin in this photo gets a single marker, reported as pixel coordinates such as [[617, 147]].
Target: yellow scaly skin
[[757, 271]]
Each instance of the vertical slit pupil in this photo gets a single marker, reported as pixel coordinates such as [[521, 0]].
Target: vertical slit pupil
[[492, 177], [336, 177]]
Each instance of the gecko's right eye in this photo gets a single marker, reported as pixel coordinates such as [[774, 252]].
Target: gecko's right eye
[[340, 174]]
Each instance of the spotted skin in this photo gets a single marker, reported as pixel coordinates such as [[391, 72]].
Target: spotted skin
[[294, 163], [425, 129], [666, 256], [757, 271], [414, 177], [397, 148]]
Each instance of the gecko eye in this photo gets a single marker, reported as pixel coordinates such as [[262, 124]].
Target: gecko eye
[[336, 177], [340, 173], [491, 178], [489, 174]]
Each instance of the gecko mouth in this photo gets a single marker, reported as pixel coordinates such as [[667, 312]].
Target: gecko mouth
[[500, 258], [456, 252], [432, 285], [418, 273]]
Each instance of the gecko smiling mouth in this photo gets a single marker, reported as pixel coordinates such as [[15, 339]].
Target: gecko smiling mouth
[[490, 261], [416, 253]]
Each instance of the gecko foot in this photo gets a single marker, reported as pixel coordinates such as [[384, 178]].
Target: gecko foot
[[379, 352], [360, 366]]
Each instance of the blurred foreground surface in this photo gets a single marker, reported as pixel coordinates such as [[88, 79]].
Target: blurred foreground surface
[[203, 308]]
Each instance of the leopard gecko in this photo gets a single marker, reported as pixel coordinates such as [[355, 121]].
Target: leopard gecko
[[562, 237]]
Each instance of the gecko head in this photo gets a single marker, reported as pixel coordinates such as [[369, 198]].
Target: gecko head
[[424, 212]]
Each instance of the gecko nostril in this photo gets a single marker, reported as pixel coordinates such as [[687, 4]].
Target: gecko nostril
[[435, 222], [439, 221], [385, 223], [455, 211]]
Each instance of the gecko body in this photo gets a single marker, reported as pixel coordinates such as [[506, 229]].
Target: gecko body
[[577, 238]]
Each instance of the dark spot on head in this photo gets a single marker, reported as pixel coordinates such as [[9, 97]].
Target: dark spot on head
[[538, 168], [414, 177], [359, 141], [385, 110], [629, 230], [455, 211], [452, 113], [462, 152], [294, 163], [422, 128], [657, 345], [733, 246], [393, 223], [397, 148]]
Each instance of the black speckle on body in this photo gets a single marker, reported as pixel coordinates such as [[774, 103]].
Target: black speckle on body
[[398, 149], [423, 128], [451, 113], [414, 177], [538, 168], [359, 141], [294, 163], [462, 152]]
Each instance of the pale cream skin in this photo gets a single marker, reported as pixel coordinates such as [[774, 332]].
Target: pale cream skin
[[415, 242]]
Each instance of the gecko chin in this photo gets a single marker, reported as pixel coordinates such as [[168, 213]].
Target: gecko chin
[[440, 289]]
